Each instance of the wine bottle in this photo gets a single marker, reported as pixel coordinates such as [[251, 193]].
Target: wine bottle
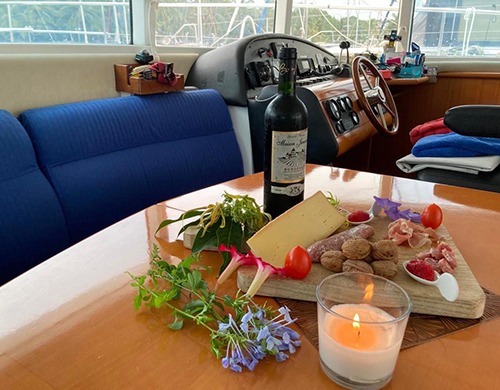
[[285, 141]]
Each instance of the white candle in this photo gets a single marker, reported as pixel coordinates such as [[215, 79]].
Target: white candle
[[359, 350]]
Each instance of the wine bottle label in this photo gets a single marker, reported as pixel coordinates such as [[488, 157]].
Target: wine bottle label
[[288, 156], [291, 190]]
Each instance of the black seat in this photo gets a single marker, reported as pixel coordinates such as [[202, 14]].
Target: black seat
[[476, 121]]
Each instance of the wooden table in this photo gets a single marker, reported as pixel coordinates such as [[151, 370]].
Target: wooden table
[[69, 323]]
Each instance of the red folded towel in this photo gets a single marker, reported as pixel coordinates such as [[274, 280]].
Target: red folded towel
[[428, 128]]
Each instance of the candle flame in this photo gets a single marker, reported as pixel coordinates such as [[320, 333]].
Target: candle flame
[[368, 292], [355, 323]]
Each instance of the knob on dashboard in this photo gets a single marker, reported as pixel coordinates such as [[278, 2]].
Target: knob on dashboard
[[341, 104], [333, 109], [348, 102], [354, 118]]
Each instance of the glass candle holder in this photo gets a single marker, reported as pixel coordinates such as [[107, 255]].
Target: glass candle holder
[[361, 323]]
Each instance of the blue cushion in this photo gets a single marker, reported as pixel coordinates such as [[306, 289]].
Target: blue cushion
[[110, 158], [456, 145], [32, 224]]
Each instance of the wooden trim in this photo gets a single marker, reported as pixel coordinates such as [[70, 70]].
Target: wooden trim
[[470, 75], [400, 81], [364, 131]]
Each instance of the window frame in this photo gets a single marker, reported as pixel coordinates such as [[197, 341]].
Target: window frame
[[142, 12]]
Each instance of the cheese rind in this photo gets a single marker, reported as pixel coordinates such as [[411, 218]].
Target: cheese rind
[[309, 221]]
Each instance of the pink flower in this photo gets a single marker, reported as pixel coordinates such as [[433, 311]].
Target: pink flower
[[264, 270], [237, 259]]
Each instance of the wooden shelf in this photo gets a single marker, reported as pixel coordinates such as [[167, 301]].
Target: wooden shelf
[[138, 85], [409, 81]]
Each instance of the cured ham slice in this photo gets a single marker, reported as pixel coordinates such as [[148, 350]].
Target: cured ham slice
[[402, 231]]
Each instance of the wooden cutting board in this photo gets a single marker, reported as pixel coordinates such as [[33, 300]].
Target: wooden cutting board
[[426, 299]]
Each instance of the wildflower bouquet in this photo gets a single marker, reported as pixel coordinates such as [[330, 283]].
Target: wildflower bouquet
[[241, 332], [231, 222]]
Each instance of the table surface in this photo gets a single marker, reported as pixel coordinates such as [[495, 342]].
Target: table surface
[[70, 322]]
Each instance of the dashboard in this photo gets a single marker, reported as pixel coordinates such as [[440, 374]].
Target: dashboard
[[314, 65], [245, 73]]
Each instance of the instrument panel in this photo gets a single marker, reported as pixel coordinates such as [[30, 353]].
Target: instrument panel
[[261, 63], [245, 72]]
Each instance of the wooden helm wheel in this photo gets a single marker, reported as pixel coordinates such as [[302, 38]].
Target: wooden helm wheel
[[375, 96]]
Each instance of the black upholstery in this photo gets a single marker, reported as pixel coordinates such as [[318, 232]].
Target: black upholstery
[[487, 181], [476, 121]]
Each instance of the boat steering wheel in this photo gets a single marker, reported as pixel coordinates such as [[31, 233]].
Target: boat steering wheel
[[377, 99]]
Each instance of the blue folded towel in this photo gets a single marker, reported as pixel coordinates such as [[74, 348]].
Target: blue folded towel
[[456, 145]]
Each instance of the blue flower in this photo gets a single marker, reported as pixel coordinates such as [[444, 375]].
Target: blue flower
[[285, 312], [223, 327], [259, 314], [263, 333], [286, 338], [235, 367], [258, 352], [271, 342], [256, 337], [281, 357], [284, 329], [245, 320]]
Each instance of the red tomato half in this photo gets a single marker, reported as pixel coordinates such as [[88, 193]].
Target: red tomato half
[[297, 263], [432, 216]]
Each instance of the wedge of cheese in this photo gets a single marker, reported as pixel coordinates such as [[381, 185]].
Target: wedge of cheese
[[309, 221]]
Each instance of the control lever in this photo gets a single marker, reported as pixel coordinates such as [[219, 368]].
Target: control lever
[[345, 45], [344, 70]]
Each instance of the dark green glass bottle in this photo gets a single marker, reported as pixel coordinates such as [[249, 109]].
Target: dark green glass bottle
[[286, 141]]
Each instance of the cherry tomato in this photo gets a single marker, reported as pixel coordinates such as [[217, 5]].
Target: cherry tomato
[[297, 263], [432, 216]]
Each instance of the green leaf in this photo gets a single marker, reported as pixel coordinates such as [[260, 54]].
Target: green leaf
[[162, 264], [137, 302], [215, 350], [177, 324], [158, 301], [218, 304], [202, 319], [196, 279], [175, 293], [187, 225], [170, 294], [231, 234], [190, 281], [186, 215], [186, 263], [334, 200], [194, 306], [201, 241]]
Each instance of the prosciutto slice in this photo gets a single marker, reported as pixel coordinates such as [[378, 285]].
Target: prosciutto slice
[[402, 231]]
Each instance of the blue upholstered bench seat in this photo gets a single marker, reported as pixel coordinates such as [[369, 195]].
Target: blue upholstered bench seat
[[32, 224], [103, 160]]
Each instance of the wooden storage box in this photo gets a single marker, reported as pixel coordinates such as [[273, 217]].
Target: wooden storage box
[[139, 86]]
